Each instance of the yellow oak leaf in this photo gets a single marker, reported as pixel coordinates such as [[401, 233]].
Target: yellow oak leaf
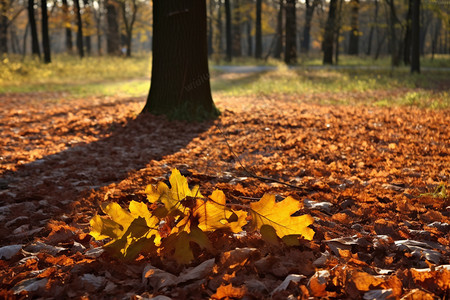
[[213, 214], [278, 215]]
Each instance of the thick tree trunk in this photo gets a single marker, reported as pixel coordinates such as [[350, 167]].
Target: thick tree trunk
[[353, 47], [258, 30], [68, 31], [306, 39], [112, 33], [34, 36], [290, 55], [415, 38], [180, 85], [45, 37], [237, 48], [279, 34], [328, 38], [80, 45], [229, 39]]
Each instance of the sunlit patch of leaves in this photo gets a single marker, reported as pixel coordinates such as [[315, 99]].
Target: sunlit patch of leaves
[[177, 216]]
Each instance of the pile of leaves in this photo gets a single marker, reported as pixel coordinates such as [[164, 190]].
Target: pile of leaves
[[374, 180]]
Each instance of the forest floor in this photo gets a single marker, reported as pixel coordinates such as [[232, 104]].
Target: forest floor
[[375, 179]]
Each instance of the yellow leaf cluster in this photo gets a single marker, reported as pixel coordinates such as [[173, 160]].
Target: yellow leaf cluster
[[181, 215]]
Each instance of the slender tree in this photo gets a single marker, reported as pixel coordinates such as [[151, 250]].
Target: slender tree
[[180, 85], [258, 30], [372, 28], [112, 32], [353, 47], [67, 26], [211, 5], [279, 34], [305, 42], [237, 47], [248, 26], [80, 45], [407, 39], [34, 36], [228, 33], [328, 39], [4, 26], [290, 55], [45, 36], [129, 18], [415, 38]]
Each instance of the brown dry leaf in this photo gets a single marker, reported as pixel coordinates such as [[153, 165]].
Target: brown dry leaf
[[364, 281], [229, 292]]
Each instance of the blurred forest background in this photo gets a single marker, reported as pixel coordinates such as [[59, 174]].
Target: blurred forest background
[[289, 30]]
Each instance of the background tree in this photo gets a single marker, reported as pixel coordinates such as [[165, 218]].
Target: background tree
[[237, 47], [129, 11], [34, 36], [67, 26], [80, 43], [305, 42], [180, 85], [45, 36], [258, 30], [112, 32], [279, 34], [290, 55], [228, 32], [8, 14], [353, 47], [415, 38], [328, 38]]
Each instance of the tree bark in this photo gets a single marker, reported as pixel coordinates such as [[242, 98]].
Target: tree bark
[[112, 33], [249, 37], [353, 47], [180, 86], [258, 30], [80, 45], [329, 34], [290, 55], [228, 33], [237, 48], [279, 34], [67, 22], [4, 23], [309, 12], [45, 37], [34, 36], [415, 37]]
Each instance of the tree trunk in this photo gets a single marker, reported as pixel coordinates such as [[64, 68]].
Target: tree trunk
[[407, 39], [210, 27], [218, 43], [180, 85], [372, 26], [80, 45], [67, 26], [309, 12], [45, 37], [415, 37], [249, 37], [258, 30], [337, 33], [353, 47], [328, 38], [435, 39], [87, 39], [237, 48], [34, 36], [290, 55], [229, 41], [3, 31], [279, 34], [393, 21], [129, 23], [112, 33]]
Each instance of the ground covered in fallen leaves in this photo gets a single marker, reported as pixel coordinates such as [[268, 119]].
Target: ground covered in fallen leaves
[[374, 179]]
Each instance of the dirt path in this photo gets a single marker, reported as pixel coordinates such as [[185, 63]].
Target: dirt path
[[361, 172]]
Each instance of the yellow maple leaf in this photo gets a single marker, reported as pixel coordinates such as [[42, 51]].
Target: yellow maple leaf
[[278, 216], [213, 214]]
